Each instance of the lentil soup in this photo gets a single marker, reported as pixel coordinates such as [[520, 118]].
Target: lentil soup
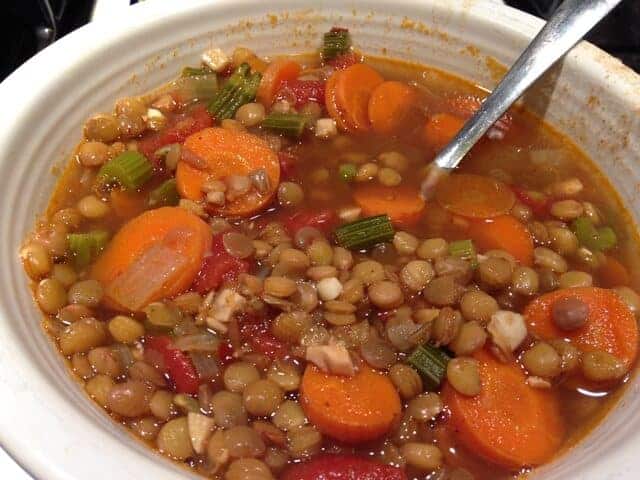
[[239, 268]]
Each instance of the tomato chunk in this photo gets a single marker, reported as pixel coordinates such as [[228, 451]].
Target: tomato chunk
[[323, 220], [180, 128], [175, 363], [219, 266], [303, 91], [342, 467]]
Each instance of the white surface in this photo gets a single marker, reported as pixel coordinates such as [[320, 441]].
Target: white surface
[[45, 420], [10, 470]]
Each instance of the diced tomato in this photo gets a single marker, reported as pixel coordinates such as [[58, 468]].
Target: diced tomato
[[174, 363], [225, 353], [219, 266], [256, 331], [344, 61], [323, 220], [539, 203], [304, 91], [177, 132], [342, 467], [467, 105], [288, 162]]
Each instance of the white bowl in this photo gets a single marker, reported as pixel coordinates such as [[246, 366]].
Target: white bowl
[[46, 422]]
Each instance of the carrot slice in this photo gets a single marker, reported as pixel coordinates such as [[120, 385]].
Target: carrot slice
[[155, 255], [610, 326], [221, 153], [403, 204], [351, 409], [441, 128], [278, 71], [503, 233], [390, 106], [613, 274], [127, 205], [330, 101], [353, 89], [508, 423], [474, 196]]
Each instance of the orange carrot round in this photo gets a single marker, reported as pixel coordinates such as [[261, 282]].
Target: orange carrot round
[[351, 409], [390, 105], [503, 233], [610, 326], [474, 196], [403, 204], [330, 101], [278, 71], [612, 273], [509, 423], [127, 205], [441, 128], [156, 255], [220, 153], [353, 89]]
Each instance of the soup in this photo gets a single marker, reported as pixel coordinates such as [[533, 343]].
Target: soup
[[239, 268]]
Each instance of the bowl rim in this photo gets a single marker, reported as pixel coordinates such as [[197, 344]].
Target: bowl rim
[[101, 35]]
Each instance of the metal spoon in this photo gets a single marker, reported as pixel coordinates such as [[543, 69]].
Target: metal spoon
[[568, 25]]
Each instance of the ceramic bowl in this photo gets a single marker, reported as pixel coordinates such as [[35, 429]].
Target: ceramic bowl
[[46, 422]]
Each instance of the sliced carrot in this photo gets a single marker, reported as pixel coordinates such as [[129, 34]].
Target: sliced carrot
[[222, 153], [127, 205], [509, 423], [390, 106], [503, 233], [610, 326], [403, 204], [330, 101], [351, 409], [278, 71], [441, 128], [474, 196], [353, 89], [612, 273], [156, 255]]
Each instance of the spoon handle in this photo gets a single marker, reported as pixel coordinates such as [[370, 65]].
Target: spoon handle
[[568, 25]]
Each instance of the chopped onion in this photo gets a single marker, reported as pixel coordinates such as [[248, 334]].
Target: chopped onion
[[198, 342], [206, 366], [134, 288], [237, 244], [192, 159], [260, 180], [125, 355]]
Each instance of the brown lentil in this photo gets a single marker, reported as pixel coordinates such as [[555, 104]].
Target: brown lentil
[[471, 337], [432, 249], [443, 291], [475, 305], [385, 294], [495, 272], [262, 397], [406, 380], [601, 366], [238, 375], [463, 375], [569, 313], [416, 274], [173, 439], [542, 360], [422, 456]]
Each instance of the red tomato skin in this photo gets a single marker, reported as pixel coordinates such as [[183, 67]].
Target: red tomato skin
[[218, 266], [342, 467], [179, 129], [175, 363]]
